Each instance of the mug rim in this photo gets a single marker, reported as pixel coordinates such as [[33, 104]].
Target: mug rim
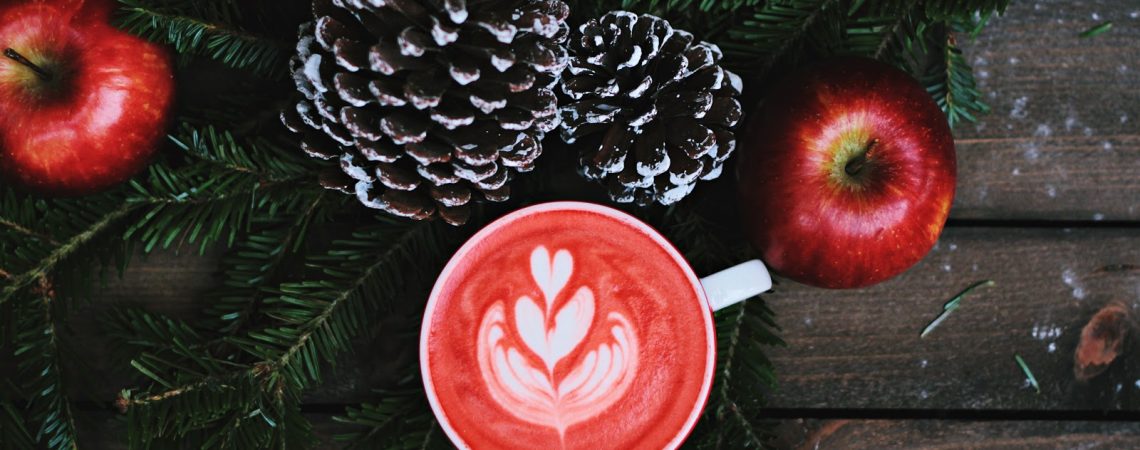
[[613, 213]]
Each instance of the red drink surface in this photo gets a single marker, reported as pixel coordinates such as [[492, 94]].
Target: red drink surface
[[575, 328]]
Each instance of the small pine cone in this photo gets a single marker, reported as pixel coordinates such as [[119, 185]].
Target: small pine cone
[[661, 105], [427, 104]]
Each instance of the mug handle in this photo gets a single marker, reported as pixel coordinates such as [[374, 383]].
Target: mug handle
[[736, 283]]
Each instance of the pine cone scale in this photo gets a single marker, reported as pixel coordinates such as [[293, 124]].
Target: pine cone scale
[[431, 104], [659, 105]]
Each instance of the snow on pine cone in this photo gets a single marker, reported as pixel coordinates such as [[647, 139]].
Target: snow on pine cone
[[661, 106], [429, 105]]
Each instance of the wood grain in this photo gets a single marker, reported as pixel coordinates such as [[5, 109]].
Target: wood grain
[[1063, 140], [861, 348], [946, 434]]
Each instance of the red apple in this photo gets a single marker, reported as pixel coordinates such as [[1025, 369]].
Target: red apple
[[847, 174], [82, 104]]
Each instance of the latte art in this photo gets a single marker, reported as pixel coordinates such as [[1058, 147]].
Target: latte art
[[567, 326], [522, 378]]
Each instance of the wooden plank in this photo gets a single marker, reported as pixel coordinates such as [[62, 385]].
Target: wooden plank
[[1063, 140], [948, 434], [861, 348]]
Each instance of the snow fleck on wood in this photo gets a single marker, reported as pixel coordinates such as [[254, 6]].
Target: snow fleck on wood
[[1018, 111], [1044, 332], [1069, 277]]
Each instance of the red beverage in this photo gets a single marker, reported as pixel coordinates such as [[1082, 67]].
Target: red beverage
[[567, 325]]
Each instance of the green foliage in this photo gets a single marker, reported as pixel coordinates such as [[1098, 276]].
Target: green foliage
[[778, 29], [734, 415], [258, 264], [949, 79], [205, 28], [200, 397], [204, 191], [40, 368], [213, 196], [37, 236], [399, 420], [47, 250], [935, 9], [918, 36], [244, 382], [15, 435], [1096, 30]]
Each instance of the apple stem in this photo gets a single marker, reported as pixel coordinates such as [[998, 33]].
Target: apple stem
[[859, 161], [15, 56]]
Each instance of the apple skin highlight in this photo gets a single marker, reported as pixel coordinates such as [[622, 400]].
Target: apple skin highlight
[[846, 175], [97, 120]]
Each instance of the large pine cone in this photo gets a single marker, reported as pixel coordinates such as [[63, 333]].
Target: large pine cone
[[661, 105], [429, 105]]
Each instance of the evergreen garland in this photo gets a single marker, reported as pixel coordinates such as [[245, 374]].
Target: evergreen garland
[[308, 273]]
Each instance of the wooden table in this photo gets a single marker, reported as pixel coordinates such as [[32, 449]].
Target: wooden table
[[1048, 206]]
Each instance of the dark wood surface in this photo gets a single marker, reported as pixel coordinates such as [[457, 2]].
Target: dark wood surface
[[1063, 140], [861, 348], [1048, 206]]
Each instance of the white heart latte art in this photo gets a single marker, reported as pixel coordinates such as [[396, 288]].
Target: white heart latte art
[[522, 381]]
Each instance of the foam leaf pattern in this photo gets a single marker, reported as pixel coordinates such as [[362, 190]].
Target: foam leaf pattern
[[518, 365]]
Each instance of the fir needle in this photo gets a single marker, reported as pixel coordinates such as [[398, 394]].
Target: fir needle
[[1028, 373], [951, 305], [1096, 30]]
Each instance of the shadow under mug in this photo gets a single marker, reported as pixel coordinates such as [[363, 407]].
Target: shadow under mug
[[573, 325]]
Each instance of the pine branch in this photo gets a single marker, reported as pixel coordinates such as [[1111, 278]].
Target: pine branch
[[733, 416], [890, 36], [198, 200], [181, 411], [318, 319], [31, 234], [253, 156], [950, 80], [776, 29], [190, 35], [935, 9], [213, 198], [400, 416], [66, 249], [207, 401], [41, 367], [870, 36], [312, 322], [13, 434], [256, 265], [725, 379]]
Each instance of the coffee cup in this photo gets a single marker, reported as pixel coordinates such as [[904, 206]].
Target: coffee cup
[[573, 325]]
